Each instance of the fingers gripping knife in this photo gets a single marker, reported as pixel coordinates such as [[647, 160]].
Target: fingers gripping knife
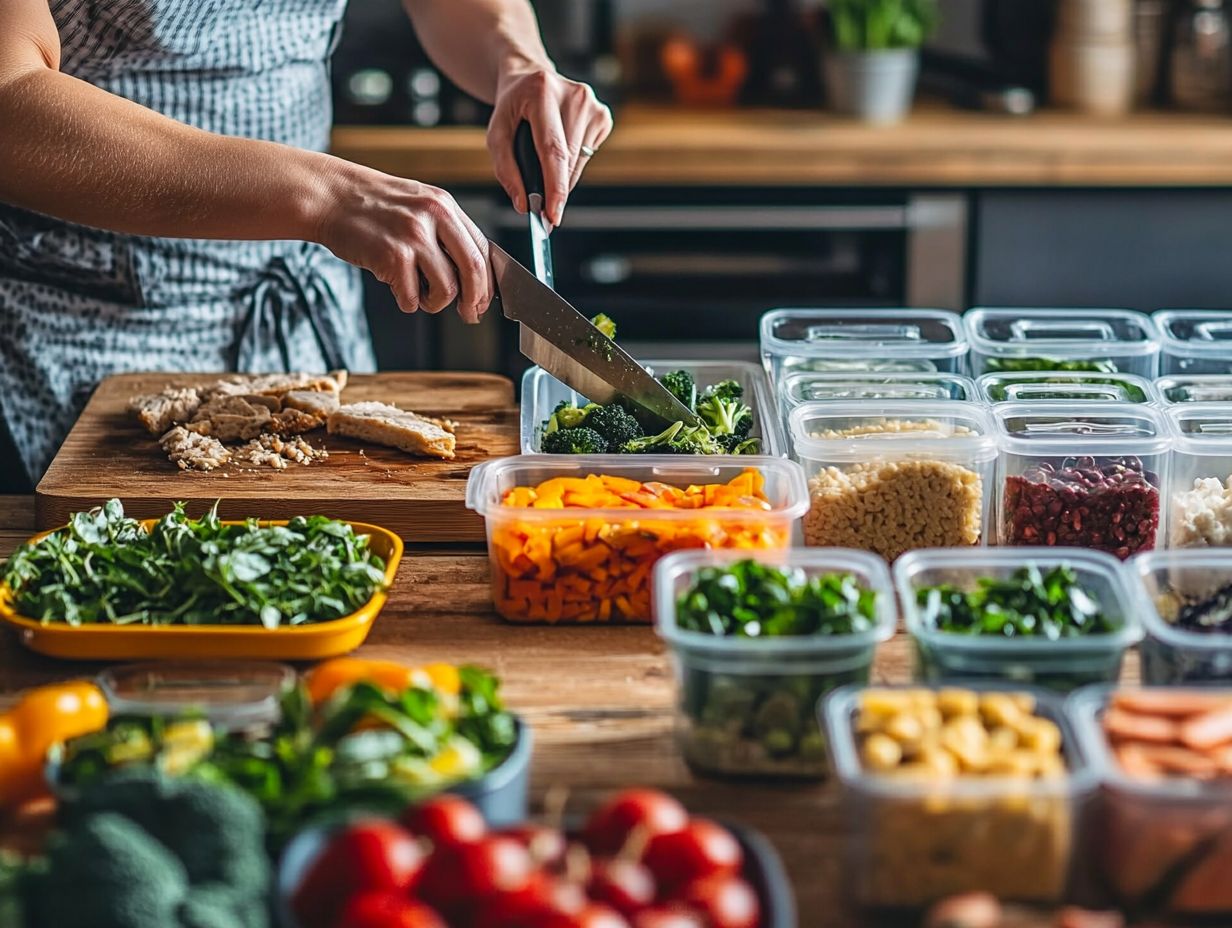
[[559, 338]]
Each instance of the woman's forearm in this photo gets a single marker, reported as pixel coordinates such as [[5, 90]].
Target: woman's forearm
[[480, 43], [76, 152]]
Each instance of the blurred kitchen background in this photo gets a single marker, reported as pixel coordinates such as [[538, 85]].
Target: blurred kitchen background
[[770, 153]]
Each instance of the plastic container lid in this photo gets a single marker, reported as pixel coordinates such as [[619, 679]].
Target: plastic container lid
[[810, 386], [675, 573], [1070, 428], [1060, 333], [1194, 388], [978, 444], [231, 694], [837, 710], [1056, 386], [1001, 562], [1143, 569], [1085, 706], [1201, 428], [786, 487], [1204, 333], [849, 334]]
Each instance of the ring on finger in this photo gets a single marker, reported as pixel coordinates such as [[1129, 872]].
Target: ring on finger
[[586, 151]]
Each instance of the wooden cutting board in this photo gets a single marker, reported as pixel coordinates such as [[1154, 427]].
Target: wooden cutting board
[[108, 454]]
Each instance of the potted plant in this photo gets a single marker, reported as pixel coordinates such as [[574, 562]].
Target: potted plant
[[872, 65]]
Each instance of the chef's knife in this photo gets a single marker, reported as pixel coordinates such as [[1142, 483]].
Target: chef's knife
[[565, 344], [532, 180]]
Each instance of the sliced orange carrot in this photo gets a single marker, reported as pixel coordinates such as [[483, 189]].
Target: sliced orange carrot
[[1209, 729], [1134, 726], [1172, 703]]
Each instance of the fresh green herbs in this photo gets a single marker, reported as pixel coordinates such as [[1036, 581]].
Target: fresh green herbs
[[106, 568], [1028, 604], [874, 25], [1128, 392], [726, 424], [1016, 365], [752, 600]]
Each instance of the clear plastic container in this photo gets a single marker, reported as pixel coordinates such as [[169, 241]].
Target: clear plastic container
[[808, 387], [1082, 475], [889, 477], [846, 340], [747, 707], [594, 565], [1163, 582], [911, 842], [1063, 664], [1195, 341], [1155, 847], [1051, 386], [230, 694], [1096, 340], [542, 393], [1200, 497], [1194, 388]]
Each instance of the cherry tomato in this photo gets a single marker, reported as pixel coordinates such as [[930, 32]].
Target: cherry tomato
[[625, 885], [387, 909], [368, 855], [667, 916], [609, 827], [463, 875], [545, 896], [700, 849], [445, 820], [546, 845], [725, 900], [593, 916]]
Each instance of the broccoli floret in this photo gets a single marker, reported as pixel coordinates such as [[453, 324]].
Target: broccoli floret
[[725, 416], [681, 385], [734, 444], [604, 323], [568, 416], [573, 441], [676, 439], [725, 390], [110, 873], [614, 425]]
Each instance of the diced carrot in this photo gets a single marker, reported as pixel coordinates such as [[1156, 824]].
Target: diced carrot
[[605, 610], [619, 485], [1208, 730]]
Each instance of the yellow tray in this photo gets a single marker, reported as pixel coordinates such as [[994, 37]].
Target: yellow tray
[[312, 641]]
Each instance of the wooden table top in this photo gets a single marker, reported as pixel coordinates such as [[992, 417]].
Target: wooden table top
[[599, 700], [938, 146]]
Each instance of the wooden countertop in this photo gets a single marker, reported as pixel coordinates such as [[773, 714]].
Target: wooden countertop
[[599, 700], [936, 147]]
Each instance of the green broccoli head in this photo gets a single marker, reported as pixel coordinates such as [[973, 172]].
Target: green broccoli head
[[615, 425], [604, 323], [678, 438], [725, 416], [725, 390], [108, 872], [573, 441], [735, 444], [681, 385], [566, 415]]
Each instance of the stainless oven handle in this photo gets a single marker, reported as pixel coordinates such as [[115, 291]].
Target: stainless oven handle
[[752, 218]]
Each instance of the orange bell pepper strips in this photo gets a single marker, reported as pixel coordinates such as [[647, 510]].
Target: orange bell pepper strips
[[42, 717]]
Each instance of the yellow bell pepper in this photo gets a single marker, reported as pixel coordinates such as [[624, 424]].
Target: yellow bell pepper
[[327, 678], [43, 717]]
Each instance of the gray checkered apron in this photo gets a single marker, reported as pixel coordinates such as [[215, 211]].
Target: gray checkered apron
[[77, 304]]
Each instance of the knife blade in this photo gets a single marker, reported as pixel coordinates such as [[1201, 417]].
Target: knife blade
[[532, 180], [565, 344]]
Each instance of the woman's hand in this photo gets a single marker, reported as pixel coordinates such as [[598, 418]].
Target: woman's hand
[[564, 116], [411, 236]]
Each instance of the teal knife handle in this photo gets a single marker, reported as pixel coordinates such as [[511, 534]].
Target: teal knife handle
[[528, 164]]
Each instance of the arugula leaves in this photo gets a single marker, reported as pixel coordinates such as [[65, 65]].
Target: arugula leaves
[[1029, 604], [752, 600], [105, 567]]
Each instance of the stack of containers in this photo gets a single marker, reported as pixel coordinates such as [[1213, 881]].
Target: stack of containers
[[1201, 486], [803, 387], [1194, 388], [1195, 341], [1053, 386], [1106, 341]]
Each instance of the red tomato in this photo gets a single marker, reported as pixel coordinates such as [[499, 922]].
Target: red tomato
[[625, 885], [546, 845], [667, 916], [445, 820], [368, 855], [725, 900], [609, 827], [700, 849], [387, 909], [545, 896], [463, 875], [593, 916]]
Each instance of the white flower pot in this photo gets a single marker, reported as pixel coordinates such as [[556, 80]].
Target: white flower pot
[[877, 87]]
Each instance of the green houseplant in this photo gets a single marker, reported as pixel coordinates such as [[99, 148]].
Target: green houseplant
[[872, 65]]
